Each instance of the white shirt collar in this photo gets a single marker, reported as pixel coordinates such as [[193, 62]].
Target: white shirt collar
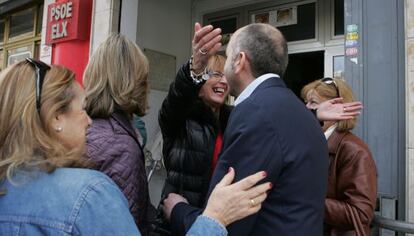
[[330, 130], [252, 86]]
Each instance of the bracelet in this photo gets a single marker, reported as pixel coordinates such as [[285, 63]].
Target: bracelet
[[197, 78]]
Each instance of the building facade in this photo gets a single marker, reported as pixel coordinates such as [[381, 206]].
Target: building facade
[[368, 42]]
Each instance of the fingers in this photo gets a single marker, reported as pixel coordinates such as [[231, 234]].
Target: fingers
[[259, 199], [208, 40], [197, 27], [351, 114], [349, 104], [351, 107], [259, 190], [210, 44], [227, 179], [253, 210], [199, 34], [336, 100], [215, 49], [250, 181]]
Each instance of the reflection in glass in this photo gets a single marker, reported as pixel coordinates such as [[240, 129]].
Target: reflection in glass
[[2, 25], [39, 19], [339, 66], [21, 24], [18, 54], [305, 28], [339, 17], [228, 27]]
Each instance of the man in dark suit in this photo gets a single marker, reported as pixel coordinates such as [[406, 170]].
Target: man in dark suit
[[269, 129]]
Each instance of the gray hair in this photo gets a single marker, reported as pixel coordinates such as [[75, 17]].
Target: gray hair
[[265, 47]]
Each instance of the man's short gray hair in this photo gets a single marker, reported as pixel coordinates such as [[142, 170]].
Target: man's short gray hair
[[265, 47]]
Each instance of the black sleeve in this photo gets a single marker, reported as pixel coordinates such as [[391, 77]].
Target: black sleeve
[[183, 216], [174, 110]]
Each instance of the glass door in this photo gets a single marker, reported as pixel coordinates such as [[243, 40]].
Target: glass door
[[335, 62]]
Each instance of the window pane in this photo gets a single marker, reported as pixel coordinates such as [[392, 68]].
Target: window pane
[[228, 26], [2, 25], [305, 27], [21, 24], [39, 19], [18, 54], [338, 66], [1, 59], [339, 17], [37, 50]]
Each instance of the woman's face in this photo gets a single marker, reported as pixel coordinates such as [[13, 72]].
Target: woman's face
[[71, 126], [215, 90], [313, 100]]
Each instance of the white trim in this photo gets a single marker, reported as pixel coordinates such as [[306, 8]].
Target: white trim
[[330, 53]]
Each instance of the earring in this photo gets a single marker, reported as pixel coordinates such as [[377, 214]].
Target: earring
[[58, 129]]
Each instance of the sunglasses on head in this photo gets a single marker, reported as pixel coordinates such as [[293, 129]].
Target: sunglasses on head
[[40, 68], [330, 81]]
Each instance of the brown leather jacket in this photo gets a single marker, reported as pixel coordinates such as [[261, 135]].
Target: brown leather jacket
[[352, 186]]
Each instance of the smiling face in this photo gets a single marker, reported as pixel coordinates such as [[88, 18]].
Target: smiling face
[[216, 89]]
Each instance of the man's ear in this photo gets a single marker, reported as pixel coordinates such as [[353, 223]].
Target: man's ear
[[240, 62]]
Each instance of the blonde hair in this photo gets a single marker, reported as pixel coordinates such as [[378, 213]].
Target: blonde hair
[[327, 92], [27, 138], [216, 63], [116, 75]]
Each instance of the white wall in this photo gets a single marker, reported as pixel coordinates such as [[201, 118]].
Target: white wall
[[164, 26], [129, 19], [105, 19]]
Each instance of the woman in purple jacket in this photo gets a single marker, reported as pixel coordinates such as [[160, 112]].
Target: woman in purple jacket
[[116, 85]]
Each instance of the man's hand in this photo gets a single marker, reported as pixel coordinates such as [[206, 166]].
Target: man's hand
[[170, 202], [334, 109]]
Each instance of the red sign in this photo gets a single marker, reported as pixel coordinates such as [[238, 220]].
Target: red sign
[[63, 21]]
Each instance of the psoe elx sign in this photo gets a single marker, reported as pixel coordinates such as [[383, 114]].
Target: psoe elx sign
[[63, 21]]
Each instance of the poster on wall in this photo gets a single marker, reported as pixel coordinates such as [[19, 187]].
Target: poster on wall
[[279, 17], [162, 69], [18, 57]]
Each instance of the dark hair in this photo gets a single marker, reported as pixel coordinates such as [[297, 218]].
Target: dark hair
[[265, 47]]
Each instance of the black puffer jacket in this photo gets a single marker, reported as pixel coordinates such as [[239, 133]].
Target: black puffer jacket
[[189, 130]]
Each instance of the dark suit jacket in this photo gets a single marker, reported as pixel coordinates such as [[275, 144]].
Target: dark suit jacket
[[273, 131]]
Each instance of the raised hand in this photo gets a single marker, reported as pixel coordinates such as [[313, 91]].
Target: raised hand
[[206, 42], [334, 109]]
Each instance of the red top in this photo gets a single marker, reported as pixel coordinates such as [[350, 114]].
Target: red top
[[217, 150]]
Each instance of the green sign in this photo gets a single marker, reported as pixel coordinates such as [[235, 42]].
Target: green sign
[[352, 28]]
